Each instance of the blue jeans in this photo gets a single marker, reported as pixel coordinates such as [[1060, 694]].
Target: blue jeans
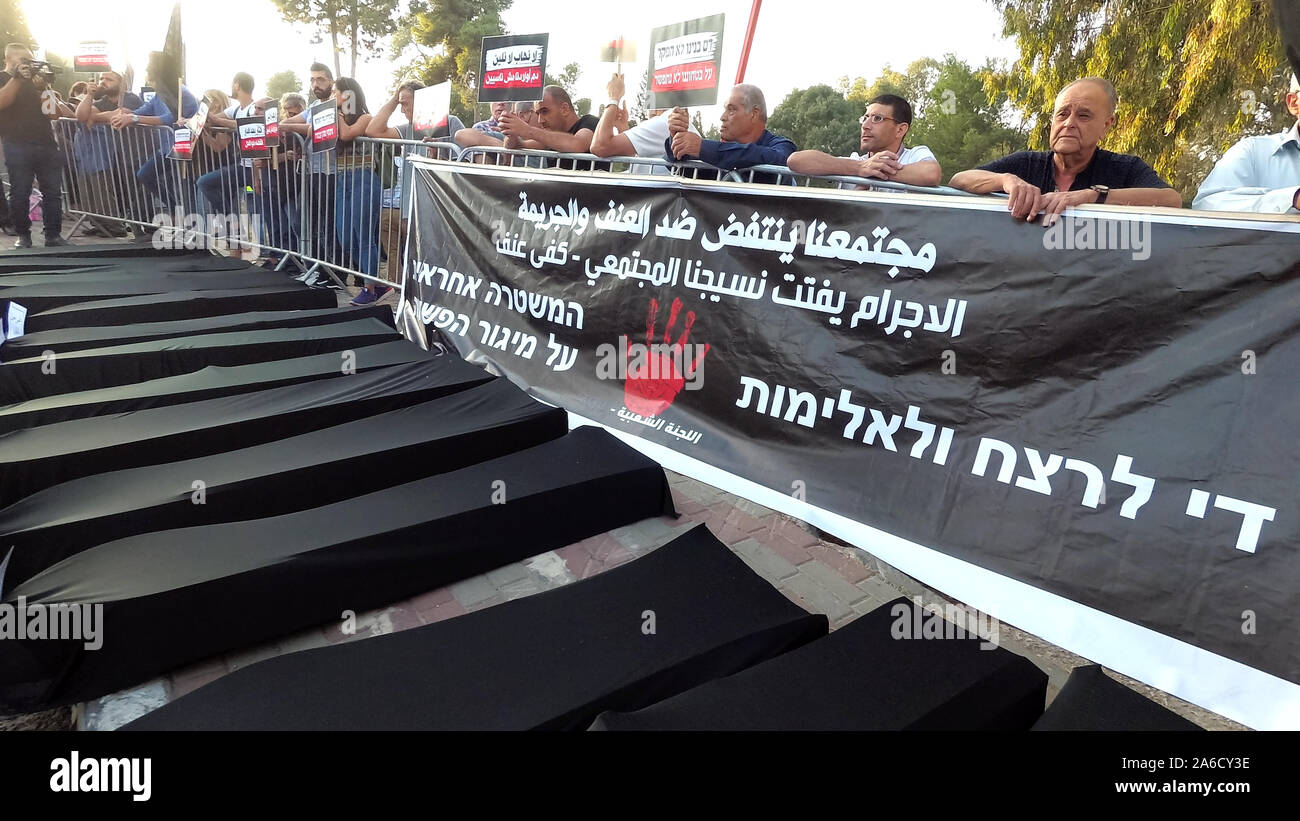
[[356, 218], [221, 187], [29, 163], [159, 175]]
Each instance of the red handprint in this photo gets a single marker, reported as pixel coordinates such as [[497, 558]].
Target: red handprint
[[655, 378]]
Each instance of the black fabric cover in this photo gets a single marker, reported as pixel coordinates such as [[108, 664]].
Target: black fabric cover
[[206, 383], [179, 596], [37, 458], [76, 265], [51, 292], [549, 661], [105, 367], [66, 340], [300, 472], [861, 678], [124, 250], [179, 304], [1091, 700]]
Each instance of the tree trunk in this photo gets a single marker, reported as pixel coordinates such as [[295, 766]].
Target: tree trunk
[[334, 43], [354, 32]]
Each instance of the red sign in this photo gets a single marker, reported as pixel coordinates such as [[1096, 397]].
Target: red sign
[[513, 78], [184, 143], [684, 77]]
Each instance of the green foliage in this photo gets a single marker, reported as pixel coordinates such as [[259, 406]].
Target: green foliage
[[283, 82], [1193, 76], [355, 27], [817, 118], [567, 80], [448, 35], [13, 25], [952, 112]]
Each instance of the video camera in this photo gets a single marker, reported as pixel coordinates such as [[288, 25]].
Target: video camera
[[28, 69]]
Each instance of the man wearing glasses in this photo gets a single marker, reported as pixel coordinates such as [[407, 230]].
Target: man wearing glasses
[[883, 156]]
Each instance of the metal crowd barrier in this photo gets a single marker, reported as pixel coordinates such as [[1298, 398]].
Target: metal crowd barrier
[[327, 214]]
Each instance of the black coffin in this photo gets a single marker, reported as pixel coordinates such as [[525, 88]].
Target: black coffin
[[300, 472], [862, 678], [91, 311], [178, 596], [549, 661], [66, 340], [206, 383], [37, 458], [1091, 700], [104, 367]]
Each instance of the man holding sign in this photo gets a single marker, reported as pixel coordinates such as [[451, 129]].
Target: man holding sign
[[745, 139]]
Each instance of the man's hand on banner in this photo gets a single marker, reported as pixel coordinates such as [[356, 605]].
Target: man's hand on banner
[[1024, 201], [653, 380]]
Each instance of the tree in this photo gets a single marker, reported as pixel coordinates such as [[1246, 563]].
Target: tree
[[711, 133], [448, 38], [952, 113], [358, 24], [817, 118], [13, 25], [1193, 76], [283, 82], [567, 80]]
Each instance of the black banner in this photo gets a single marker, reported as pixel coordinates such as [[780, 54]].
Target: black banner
[[1105, 410]]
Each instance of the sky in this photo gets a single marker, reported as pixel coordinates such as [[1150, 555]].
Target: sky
[[797, 43]]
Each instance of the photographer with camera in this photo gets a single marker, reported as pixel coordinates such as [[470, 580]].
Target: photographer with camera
[[31, 154]]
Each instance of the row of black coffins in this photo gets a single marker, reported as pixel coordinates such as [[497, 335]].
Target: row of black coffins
[[197, 456]]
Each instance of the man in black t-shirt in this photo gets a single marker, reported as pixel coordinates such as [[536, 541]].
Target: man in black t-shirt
[[556, 126], [1075, 171], [100, 159], [30, 152]]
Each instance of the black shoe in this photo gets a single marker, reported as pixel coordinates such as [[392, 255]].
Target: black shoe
[[53, 242], [23, 242]]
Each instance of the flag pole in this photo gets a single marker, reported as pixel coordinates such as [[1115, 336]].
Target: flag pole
[[749, 40]]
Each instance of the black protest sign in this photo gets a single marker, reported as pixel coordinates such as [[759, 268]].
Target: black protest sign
[[252, 138], [685, 63], [324, 126], [513, 68]]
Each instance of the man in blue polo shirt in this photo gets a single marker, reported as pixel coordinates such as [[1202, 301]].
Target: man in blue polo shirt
[[745, 139], [1075, 171]]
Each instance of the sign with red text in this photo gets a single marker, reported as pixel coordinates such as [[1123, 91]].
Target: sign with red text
[[271, 118], [252, 138], [325, 126], [92, 55], [685, 63], [183, 143], [512, 68]]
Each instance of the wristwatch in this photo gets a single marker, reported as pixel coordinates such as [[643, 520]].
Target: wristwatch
[[1102, 192]]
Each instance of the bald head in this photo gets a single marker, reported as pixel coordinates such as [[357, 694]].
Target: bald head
[[1106, 86]]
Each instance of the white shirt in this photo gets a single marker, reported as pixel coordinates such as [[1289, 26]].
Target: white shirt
[[909, 155], [234, 111], [647, 138], [1260, 174]]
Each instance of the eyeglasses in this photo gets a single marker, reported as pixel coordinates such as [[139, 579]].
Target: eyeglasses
[[875, 118]]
